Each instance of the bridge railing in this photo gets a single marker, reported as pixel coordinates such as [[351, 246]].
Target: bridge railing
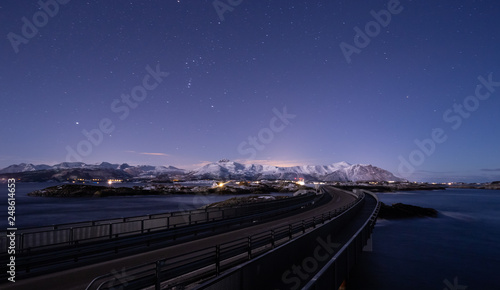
[[40, 238], [211, 261], [291, 264], [335, 271]]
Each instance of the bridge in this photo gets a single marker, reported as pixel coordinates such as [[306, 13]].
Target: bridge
[[207, 249]]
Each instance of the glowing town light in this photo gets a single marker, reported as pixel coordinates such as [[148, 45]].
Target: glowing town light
[[221, 184]]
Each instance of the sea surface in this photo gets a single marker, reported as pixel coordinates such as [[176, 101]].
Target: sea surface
[[34, 211], [460, 248]]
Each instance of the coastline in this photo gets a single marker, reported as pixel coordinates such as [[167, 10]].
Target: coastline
[[492, 186], [96, 191]]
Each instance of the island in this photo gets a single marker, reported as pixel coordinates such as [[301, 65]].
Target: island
[[216, 188], [401, 210]]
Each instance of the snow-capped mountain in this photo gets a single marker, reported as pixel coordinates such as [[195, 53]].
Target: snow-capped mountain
[[341, 171], [23, 167], [148, 170], [134, 171], [224, 169]]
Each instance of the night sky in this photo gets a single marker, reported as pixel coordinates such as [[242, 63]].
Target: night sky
[[183, 83]]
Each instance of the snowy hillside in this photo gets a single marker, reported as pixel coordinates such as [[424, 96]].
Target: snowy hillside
[[224, 169], [341, 171], [140, 170]]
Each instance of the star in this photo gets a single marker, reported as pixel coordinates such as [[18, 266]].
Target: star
[[77, 123]]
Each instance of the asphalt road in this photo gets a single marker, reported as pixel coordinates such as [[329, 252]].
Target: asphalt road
[[79, 278]]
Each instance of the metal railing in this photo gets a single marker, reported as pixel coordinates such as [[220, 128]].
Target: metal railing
[[330, 276], [211, 261], [42, 238], [54, 259]]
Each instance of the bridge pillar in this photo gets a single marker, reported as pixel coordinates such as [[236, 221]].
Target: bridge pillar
[[369, 244]]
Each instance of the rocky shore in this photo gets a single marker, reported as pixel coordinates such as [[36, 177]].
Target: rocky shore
[[84, 190], [401, 210], [238, 201], [392, 187], [493, 185], [81, 190]]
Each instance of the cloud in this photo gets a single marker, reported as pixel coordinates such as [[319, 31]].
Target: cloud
[[491, 170], [199, 164], [436, 172], [279, 163], [147, 153], [154, 154]]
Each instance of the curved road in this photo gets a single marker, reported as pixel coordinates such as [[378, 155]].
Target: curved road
[[79, 278]]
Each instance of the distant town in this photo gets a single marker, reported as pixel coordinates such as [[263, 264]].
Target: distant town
[[341, 174]]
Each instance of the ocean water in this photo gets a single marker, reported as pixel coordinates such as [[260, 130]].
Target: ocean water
[[460, 248], [42, 211]]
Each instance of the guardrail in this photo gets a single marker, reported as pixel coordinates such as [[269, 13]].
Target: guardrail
[[335, 271], [211, 261], [291, 265], [50, 260], [43, 238]]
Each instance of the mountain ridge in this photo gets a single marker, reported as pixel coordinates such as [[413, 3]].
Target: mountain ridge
[[340, 171], [223, 169]]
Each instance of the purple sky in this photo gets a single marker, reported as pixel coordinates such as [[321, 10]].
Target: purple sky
[[171, 83]]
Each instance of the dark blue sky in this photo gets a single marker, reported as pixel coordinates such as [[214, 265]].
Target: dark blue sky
[[171, 83]]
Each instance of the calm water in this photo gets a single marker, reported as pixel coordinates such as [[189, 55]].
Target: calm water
[[463, 242], [40, 211]]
